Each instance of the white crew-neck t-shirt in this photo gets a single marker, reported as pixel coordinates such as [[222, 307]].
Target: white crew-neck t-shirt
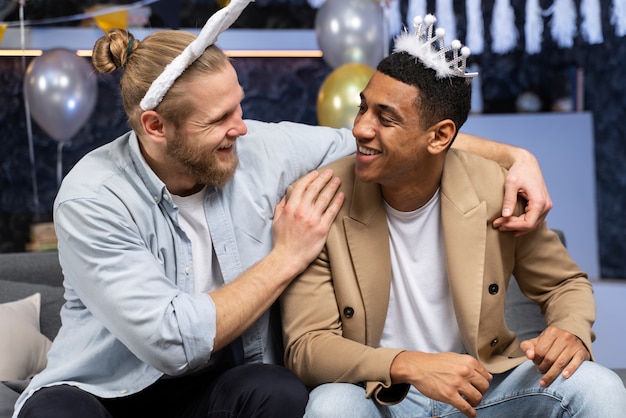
[[420, 316]]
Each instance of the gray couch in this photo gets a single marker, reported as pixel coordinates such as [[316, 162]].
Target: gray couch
[[22, 274]]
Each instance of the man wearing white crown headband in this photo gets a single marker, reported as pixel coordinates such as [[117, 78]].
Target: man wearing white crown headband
[[171, 249], [402, 313]]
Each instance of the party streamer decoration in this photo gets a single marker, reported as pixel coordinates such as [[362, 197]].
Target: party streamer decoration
[[618, 17], [445, 18], [112, 20], [592, 24], [563, 27], [503, 30], [533, 27], [391, 10], [80, 16], [475, 27], [416, 8], [563, 21], [316, 4]]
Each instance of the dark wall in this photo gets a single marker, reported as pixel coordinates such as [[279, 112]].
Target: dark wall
[[286, 89]]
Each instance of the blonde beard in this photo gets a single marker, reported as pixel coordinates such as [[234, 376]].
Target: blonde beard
[[205, 169]]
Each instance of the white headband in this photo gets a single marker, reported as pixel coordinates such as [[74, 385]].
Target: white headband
[[217, 23]]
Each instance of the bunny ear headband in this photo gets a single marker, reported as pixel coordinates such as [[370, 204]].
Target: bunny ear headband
[[217, 23]]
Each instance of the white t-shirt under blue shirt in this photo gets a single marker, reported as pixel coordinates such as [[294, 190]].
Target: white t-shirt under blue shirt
[[192, 219]]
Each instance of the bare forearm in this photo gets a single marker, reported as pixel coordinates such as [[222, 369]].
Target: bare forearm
[[300, 227], [240, 303]]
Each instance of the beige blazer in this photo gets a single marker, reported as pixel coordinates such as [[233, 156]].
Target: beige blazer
[[334, 313]]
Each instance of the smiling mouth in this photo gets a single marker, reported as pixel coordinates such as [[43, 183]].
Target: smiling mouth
[[367, 151]]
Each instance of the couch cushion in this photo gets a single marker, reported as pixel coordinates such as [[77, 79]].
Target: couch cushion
[[8, 397], [51, 302], [522, 315], [23, 349]]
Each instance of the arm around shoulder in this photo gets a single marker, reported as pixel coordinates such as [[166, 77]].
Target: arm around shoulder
[[524, 178]]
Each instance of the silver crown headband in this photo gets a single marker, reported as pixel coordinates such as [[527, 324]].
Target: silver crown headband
[[217, 23], [427, 45]]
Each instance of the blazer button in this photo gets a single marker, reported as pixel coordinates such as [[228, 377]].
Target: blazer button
[[494, 341], [348, 312], [493, 288]]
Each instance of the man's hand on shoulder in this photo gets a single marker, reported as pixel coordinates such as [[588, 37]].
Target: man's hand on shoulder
[[526, 180], [303, 218]]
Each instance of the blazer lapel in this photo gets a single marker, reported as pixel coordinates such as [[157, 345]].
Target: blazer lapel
[[464, 227], [367, 236]]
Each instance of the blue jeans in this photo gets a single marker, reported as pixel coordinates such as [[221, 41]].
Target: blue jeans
[[592, 391]]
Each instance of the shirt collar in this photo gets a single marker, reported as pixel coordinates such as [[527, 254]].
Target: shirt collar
[[154, 184]]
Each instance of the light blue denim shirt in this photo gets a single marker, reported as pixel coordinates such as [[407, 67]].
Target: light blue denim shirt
[[131, 316]]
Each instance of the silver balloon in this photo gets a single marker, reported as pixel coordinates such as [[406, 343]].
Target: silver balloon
[[351, 31], [61, 90]]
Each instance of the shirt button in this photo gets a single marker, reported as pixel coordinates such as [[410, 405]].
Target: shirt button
[[166, 197], [187, 270], [493, 288], [348, 312], [156, 198], [123, 391]]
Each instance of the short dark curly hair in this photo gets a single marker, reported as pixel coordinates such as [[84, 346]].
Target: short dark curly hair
[[438, 98]]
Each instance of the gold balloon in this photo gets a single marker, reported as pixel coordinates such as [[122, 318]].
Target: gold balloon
[[222, 3], [339, 96]]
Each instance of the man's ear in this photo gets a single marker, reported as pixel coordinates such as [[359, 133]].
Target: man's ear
[[153, 125], [444, 133]]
